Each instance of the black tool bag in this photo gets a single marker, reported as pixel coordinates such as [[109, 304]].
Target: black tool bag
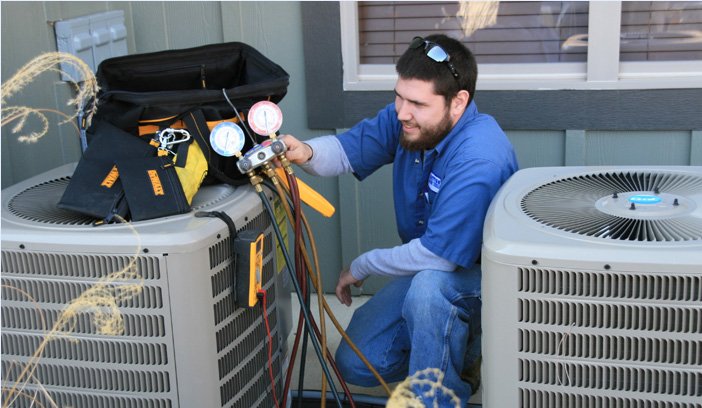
[[146, 90], [192, 89]]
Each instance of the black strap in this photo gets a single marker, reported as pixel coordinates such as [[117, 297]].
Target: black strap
[[182, 153], [232, 237], [197, 126]]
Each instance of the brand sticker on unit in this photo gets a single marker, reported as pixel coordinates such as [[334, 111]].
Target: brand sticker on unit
[[645, 199], [434, 183]]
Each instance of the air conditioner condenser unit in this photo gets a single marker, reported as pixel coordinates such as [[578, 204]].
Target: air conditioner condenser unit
[[592, 289], [185, 343]]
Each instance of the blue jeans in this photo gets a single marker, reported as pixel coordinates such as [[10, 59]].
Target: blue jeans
[[429, 320]]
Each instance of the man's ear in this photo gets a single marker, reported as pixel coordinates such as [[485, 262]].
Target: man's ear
[[459, 103]]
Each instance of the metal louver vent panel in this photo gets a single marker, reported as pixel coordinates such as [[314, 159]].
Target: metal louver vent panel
[[98, 350], [686, 288], [658, 318], [74, 369], [76, 266], [68, 399], [28, 318], [241, 342], [58, 292], [96, 378], [612, 377], [541, 398], [629, 206], [611, 348], [614, 334]]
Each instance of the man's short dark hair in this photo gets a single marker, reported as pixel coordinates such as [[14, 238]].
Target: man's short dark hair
[[415, 64]]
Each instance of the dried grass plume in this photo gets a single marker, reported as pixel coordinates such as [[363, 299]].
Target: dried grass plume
[[429, 382], [475, 15], [86, 89]]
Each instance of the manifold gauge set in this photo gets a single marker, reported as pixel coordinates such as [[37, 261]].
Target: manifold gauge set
[[227, 138]]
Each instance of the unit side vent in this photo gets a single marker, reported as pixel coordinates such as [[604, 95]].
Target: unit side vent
[[626, 351], [611, 348], [223, 280], [619, 316], [242, 355], [28, 318], [76, 266], [237, 327], [249, 383], [596, 284], [36, 289], [612, 377], [250, 345], [600, 205], [550, 399], [95, 378], [68, 399], [87, 350], [60, 292]]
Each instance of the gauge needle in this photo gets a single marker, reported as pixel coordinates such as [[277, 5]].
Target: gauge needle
[[265, 120]]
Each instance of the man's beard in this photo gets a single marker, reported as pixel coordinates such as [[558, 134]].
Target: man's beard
[[428, 137]]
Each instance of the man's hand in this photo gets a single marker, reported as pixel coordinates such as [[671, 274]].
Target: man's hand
[[298, 152], [343, 287]]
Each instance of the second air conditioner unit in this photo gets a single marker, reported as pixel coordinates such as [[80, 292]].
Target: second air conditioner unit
[[592, 289]]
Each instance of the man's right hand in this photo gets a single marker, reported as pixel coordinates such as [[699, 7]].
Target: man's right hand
[[298, 152]]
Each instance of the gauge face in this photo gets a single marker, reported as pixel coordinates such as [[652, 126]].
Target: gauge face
[[265, 118], [227, 139]]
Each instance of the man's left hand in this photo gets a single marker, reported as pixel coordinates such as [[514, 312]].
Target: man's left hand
[[343, 287]]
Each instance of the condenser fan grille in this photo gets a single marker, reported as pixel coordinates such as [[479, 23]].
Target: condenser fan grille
[[630, 206], [38, 203]]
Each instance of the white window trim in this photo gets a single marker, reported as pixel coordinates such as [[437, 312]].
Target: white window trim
[[602, 71]]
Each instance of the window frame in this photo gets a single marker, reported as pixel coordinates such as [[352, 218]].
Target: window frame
[[603, 70]]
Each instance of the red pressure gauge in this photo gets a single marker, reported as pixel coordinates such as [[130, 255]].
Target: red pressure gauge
[[265, 118]]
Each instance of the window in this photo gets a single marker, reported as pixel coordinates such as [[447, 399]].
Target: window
[[534, 44]]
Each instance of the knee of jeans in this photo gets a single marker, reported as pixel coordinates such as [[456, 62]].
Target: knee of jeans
[[351, 367], [422, 292]]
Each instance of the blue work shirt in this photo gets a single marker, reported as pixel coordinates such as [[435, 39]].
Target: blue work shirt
[[441, 195]]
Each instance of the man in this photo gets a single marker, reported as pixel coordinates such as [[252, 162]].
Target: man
[[448, 163]]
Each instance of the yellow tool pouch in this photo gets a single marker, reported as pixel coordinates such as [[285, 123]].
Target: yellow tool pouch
[[193, 173]]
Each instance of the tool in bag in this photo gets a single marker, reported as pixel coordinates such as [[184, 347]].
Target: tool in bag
[[171, 101]]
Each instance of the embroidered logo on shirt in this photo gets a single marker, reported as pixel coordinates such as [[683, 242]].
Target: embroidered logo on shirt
[[434, 183]]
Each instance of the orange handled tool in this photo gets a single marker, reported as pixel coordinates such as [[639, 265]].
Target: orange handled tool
[[309, 196]]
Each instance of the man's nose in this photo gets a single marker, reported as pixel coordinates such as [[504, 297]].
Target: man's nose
[[403, 112]]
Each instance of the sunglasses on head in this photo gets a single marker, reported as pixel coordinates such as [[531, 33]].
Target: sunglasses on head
[[435, 52]]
